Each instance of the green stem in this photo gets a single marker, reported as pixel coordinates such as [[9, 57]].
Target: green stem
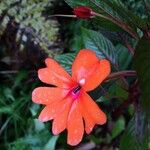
[[61, 15]]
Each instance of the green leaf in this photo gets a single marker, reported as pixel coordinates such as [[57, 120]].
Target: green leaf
[[125, 14], [6, 110], [124, 57], [9, 94], [103, 23], [142, 66], [76, 3], [66, 60], [100, 7], [118, 127], [19, 77], [51, 143], [38, 125], [136, 136], [115, 9], [101, 45], [116, 90], [128, 140]]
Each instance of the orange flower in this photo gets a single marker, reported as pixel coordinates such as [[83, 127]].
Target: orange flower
[[68, 104]]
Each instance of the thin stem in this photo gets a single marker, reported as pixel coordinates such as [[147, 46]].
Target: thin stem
[[13, 71], [129, 47], [4, 125], [119, 74], [125, 83], [9, 72], [61, 15]]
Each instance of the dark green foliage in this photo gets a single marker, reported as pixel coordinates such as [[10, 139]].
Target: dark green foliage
[[124, 57], [133, 139], [142, 66]]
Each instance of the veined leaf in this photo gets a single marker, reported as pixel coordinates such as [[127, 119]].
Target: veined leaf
[[66, 60], [125, 14], [100, 7], [115, 9], [124, 57], [101, 45], [136, 136], [142, 66]]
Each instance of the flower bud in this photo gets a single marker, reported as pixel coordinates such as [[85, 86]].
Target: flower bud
[[83, 12]]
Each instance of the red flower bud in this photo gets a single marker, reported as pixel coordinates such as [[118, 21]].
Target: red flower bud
[[83, 12]]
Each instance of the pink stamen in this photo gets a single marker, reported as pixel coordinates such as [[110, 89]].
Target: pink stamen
[[76, 91]]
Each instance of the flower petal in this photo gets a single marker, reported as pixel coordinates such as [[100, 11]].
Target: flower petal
[[92, 108], [101, 72], [47, 95], [54, 74], [60, 121], [52, 110], [88, 70], [75, 125], [89, 122], [83, 63]]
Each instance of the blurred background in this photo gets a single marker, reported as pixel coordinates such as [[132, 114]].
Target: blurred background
[[29, 33]]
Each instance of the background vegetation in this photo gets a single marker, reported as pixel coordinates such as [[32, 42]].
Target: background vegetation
[[29, 33]]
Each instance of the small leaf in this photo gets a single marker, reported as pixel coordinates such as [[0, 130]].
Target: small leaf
[[124, 57], [51, 143], [116, 90], [38, 125], [118, 127], [19, 77], [66, 61]]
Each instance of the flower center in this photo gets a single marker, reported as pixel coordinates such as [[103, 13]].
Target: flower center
[[76, 89], [75, 92]]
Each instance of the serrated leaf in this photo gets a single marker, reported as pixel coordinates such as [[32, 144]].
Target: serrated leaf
[[125, 14], [66, 60], [128, 140], [142, 66], [115, 9], [101, 45]]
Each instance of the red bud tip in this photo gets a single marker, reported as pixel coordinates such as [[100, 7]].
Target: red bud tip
[[83, 12]]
